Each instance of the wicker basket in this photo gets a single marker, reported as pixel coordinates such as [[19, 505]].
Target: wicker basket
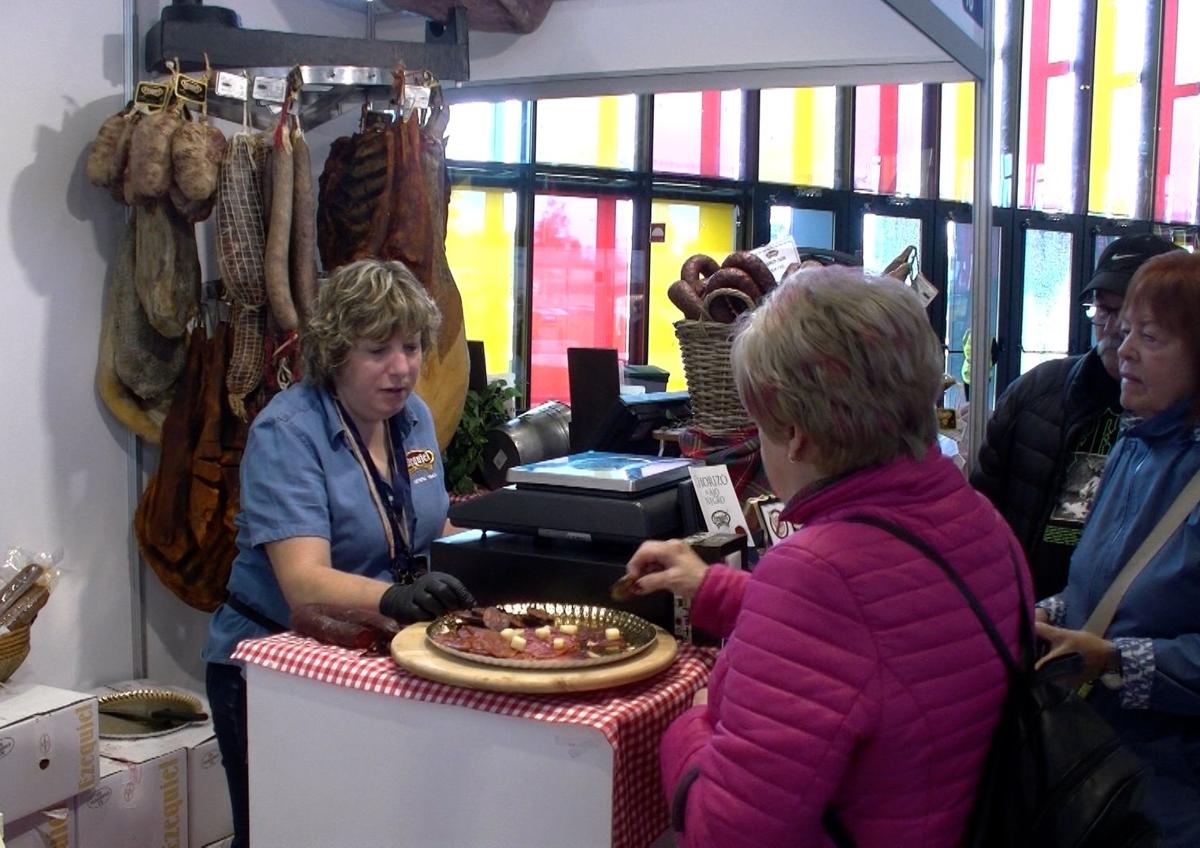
[[704, 347], [14, 648]]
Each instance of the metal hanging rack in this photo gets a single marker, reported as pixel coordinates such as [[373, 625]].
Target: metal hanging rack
[[333, 69]]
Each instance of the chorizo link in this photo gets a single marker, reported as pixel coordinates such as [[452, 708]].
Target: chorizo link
[[279, 234], [755, 267], [684, 296], [696, 268]]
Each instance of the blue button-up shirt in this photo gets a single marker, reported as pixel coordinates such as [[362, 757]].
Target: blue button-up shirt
[[300, 478]]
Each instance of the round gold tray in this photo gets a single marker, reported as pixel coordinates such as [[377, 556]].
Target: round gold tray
[[638, 633], [144, 702]]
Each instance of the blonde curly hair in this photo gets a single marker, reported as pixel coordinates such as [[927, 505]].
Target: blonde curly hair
[[369, 299]]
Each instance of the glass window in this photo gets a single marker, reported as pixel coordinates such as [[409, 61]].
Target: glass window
[[1003, 117], [1177, 181], [957, 178], [1049, 85], [885, 237], [1118, 131], [807, 227], [581, 250], [487, 132], [960, 259], [887, 139], [796, 143], [698, 132], [708, 228], [1046, 305], [480, 237], [594, 131]]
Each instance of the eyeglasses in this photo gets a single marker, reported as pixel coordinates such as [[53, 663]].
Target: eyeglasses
[[1098, 314]]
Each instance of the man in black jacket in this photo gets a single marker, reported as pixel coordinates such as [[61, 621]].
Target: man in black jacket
[[1046, 443]]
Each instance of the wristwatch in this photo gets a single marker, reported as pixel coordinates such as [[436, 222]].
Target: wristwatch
[[1112, 676]]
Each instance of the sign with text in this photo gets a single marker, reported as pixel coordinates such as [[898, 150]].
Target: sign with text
[[718, 501], [775, 528]]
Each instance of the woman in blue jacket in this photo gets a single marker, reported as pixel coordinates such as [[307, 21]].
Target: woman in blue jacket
[[1148, 662]]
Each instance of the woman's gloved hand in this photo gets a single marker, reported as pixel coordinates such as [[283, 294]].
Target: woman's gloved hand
[[427, 597]]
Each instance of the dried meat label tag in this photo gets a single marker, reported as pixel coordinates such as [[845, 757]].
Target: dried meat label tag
[[151, 96], [416, 96], [234, 86], [925, 289], [191, 89], [719, 502], [273, 89]]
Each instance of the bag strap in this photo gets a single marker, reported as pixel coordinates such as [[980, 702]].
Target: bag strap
[[1171, 521], [915, 541]]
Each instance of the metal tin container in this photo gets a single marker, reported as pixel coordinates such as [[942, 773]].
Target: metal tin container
[[543, 432]]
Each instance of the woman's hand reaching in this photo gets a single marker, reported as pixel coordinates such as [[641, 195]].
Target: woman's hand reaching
[[671, 565]]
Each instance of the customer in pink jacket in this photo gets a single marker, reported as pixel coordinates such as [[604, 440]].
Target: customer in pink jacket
[[855, 685]]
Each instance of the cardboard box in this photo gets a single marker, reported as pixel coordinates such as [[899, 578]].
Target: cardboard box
[[209, 816], [54, 828], [136, 804], [48, 747]]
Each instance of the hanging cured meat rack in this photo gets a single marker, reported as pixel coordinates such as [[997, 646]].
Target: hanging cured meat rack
[[333, 69]]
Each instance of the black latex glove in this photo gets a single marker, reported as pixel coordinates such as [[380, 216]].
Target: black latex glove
[[427, 597]]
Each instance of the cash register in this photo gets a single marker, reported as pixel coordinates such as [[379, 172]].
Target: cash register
[[563, 529]]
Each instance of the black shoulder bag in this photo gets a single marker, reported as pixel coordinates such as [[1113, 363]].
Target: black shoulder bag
[[1056, 773]]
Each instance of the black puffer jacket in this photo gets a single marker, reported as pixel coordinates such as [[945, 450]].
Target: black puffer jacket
[[1028, 444]]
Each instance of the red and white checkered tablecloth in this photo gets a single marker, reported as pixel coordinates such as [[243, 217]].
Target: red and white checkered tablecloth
[[632, 718]]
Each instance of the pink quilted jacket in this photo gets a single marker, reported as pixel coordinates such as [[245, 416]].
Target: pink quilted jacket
[[854, 675]]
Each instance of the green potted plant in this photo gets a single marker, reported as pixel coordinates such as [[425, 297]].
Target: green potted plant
[[463, 457]]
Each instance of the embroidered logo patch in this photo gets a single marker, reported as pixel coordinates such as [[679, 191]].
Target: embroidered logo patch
[[419, 460]]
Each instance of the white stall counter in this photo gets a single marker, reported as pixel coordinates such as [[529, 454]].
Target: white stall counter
[[348, 749]]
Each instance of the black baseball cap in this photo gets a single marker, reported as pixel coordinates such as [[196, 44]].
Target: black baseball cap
[[1121, 259]]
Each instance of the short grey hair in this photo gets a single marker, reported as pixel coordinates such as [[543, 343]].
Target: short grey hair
[[848, 359], [369, 299]]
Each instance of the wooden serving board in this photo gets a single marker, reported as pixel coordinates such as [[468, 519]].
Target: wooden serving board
[[412, 652]]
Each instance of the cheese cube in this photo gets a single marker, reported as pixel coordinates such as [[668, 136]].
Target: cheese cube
[[569, 629], [559, 643], [542, 632], [518, 643], [612, 633]]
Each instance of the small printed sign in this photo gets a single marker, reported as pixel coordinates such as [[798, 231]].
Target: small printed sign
[[191, 89], [778, 255], [926, 290], [718, 501], [272, 89], [230, 85], [658, 233], [151, 96], [775, 528]]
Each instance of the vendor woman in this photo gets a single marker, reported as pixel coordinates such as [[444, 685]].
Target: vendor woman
[[342, 489]]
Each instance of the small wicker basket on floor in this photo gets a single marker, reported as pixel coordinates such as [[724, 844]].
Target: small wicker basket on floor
[[704, 347], [14, 648]]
